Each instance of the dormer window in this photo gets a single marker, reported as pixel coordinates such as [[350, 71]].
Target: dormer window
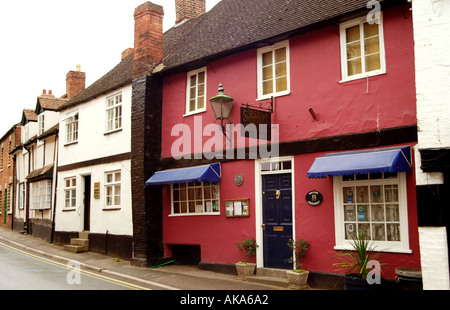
[[41, 119], [72, 129]]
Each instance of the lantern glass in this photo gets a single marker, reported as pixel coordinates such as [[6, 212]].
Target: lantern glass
[[221, 104]]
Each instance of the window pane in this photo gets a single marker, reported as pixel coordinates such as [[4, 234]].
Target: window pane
[[201, 78], [282, 84], [363, 213], [267, 59], [267, 73], [349, 213], [391, 193], [354, 67], [372, 45], [378, 232], [392, 213], [376, 194], [370, 30], [378, 213], [353, 34], [362, 194], [267, 87], [353, 50], [348, 194], [373, 62], [280, 55], [393, 232]]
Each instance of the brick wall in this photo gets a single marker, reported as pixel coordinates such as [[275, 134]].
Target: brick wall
[[189, 9]]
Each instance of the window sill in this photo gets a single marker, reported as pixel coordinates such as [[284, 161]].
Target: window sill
[[195, 214], [112, 131], [111, 208], [69, 209], [71, 143], [194, 113], [267, 97], [377, 249], [362, 76]]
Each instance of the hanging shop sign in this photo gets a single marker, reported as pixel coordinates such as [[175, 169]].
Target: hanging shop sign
[[314, 198], [257, 118]]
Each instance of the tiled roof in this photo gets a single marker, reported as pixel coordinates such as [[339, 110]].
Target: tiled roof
[[120, 76], [29, 116], [50, 102], [231, 26]]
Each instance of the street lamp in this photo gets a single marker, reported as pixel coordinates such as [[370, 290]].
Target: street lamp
[[222, 105]]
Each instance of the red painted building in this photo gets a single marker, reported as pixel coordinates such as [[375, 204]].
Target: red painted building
[[340, 82]]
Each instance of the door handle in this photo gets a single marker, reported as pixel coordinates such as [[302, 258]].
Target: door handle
[[263, 226], [278, 194]]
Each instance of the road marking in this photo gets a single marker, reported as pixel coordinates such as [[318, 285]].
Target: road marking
[[84, 272]]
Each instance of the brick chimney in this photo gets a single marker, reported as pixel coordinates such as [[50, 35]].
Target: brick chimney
[[127, 53], [148, 38], [75, 82], [189, 9]]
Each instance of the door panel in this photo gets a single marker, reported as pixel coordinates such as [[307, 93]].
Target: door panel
[[277, 220]]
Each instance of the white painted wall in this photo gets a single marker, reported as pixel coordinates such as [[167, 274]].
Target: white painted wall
[[94, 143], [117, 221], [431, 20], [434, 258]]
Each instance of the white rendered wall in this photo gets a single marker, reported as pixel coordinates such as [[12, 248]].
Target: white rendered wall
[[431, 19], [434, 258]]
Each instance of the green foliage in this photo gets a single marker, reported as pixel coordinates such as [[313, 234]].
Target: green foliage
[[247, 248], [355, 262], [300, 247]]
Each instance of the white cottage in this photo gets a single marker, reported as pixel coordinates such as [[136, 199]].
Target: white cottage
[[94, 186], [35, 168]]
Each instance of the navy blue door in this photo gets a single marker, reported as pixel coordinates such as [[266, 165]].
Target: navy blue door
[[277, 220]]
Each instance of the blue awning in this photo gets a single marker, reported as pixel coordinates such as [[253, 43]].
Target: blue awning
[[205, 173], [362, 162]]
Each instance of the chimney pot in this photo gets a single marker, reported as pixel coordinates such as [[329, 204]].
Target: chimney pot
[[44, 92], [50, 92]]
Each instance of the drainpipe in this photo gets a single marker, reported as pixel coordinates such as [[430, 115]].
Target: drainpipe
[[55, 185]]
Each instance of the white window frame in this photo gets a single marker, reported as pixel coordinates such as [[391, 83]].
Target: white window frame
[[188, 92], [401, 246], [41, 123], [72, 191], [41, 195], [343, 38], [203, 206], [22, 196], [72, 123], [273, 48], [113, 109], [113, 186]]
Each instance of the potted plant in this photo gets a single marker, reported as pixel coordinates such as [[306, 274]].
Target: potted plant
[[358, 265], [248, 249], [298, 277]]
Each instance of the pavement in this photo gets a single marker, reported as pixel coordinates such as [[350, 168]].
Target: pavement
[[170, 277]]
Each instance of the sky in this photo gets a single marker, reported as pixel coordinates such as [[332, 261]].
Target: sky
[[42, 40]]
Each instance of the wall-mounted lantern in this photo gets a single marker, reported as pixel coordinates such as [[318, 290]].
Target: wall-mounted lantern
[[222, 105]]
